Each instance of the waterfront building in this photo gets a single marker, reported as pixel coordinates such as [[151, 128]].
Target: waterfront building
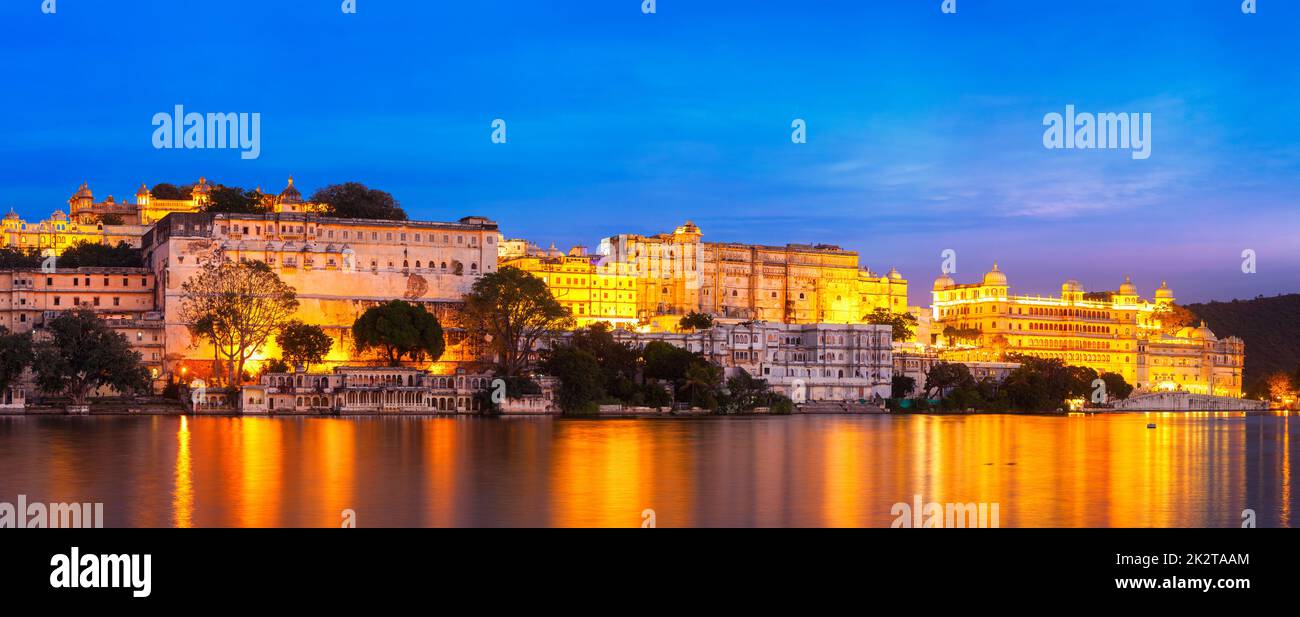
[[679, 273], [123, 297], [55, 234], [339, 267], [1112, 331], [381, 389], [815, 362], [591, 288], [112, 222], [917, 365]]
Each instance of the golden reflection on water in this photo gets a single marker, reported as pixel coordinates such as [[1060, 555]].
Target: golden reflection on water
[[256, 451], [183, 494], [839, 471]]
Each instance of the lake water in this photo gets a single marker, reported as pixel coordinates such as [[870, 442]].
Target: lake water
[[1192, 470]]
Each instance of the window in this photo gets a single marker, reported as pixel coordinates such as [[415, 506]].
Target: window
[[57, 300], [117, 301]]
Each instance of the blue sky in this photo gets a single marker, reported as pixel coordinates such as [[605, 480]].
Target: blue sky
[[924, 129]]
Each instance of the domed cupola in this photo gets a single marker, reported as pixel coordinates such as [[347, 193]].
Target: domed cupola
[[943, 282], [894, 275], [995, 277], [1204, 332], [290, 195], [1164, 292], [1127, 288]]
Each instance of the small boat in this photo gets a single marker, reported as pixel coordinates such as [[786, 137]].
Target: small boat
[[1151, 425]]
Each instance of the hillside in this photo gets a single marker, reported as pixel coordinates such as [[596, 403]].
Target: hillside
[[1269, 326]]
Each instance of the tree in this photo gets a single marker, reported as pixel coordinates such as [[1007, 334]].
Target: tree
[[234, 200], [747, 392], [618, 361], [904, 324], [1045, 384], [354, 200], [1280, 388], [1116, 387], [303, 344], [94, 255], [693, 321], [19, 258], [237, 306], [83, 355], [902, 386], [110, 219], [701, 383], [667, 361], [945, 376], [275, 365], [164, 190], [16, 354], [399, 329], [580, 378], [954, 335], [1173, 317], [511, 310]]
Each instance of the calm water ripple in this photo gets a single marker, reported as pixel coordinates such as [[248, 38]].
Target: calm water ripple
[[1192, 470]]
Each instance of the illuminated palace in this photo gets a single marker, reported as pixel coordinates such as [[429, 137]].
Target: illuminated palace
[[1116, 332], [111, 221], [669, 275], [591, 287], [339, 267]]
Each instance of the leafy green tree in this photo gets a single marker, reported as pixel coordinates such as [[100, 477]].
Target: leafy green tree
[[82, 355], [399, 329], [667, 361], [304, 344], [1116, 386], [356, 201], [510, 311], [1045, 384], [579, 373], [701, 383], [275, 365], [747, 392], [110, 219], [904, 324], [946, 376], [902, 386], [618, 361], [693, 321], [234, 200], [95, 255], [164, 190], [238, 307], [19, 258], [16, 354]]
